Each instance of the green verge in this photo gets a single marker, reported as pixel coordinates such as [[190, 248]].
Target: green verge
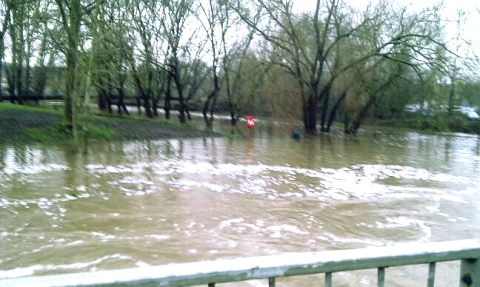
[[36, 124], [437, 123]]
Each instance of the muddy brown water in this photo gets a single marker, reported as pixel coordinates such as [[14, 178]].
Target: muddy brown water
[[141, 203]]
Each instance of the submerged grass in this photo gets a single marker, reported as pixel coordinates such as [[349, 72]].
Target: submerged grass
[[27, 124]]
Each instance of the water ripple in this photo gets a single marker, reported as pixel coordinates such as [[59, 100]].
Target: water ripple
[[26, 271]]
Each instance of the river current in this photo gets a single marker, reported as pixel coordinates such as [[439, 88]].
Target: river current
[[143, 203]]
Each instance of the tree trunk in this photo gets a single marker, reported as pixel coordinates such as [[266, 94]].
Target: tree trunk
[[233, 119], [181, 116], [18, 80], [334, 111], [102, 95], [11, 85], [72, 28], [1, 75], [310, 115], [122, 108], [143, 95], [451, 98], [155, 106], [212, 106], [6, 19], [109, 104], [2, 53], [28, 69], [176, 77], [40, 80], [326, 100], [187, 110], [231, 107], [146, 105], [139, 104], [206, 107], [355, 124], [167, 106], [212, 97], [109, 92], [69, 86], [121, 95], [102, 100]]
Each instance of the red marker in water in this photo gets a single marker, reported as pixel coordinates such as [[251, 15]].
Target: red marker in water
[[250, 122]]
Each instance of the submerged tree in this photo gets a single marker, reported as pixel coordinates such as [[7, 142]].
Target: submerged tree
[[321, 47]]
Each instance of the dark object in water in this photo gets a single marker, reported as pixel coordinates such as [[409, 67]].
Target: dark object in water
[[296, 134]]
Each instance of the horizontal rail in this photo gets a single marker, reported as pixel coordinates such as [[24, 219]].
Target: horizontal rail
[[265, 267]]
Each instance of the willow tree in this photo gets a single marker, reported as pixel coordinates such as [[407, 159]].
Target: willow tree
[[45, 51], [71, 17], [213, 22], [25, 26], [320, 46], [246, 72], [108, 55], [304, 48], [144, 34], [5, 11], [195, 74], [17, 37], [225, 23], [121, 50], [176, 15]]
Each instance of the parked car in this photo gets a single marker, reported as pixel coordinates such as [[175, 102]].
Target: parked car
[[470, 112]]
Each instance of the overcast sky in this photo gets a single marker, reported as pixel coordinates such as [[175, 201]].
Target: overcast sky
[[470, 30]]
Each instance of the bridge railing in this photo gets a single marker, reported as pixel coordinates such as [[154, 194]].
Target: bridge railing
[[272, 267]]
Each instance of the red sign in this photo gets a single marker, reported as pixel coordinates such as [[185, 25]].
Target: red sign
[[250, 122]]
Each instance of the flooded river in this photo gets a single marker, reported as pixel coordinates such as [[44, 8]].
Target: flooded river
[[141, 203]]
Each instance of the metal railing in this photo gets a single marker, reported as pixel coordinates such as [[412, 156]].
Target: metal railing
[[271, 267]]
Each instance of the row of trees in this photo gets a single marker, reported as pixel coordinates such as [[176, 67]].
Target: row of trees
[[258, 55]]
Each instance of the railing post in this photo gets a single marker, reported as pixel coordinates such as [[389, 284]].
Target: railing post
[[431, 274], [328, 279], [470, 273], [381, 276]]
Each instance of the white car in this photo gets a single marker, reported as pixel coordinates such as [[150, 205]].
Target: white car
[[470, 112]]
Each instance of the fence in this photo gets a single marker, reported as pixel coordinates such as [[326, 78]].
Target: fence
[[271, 267]]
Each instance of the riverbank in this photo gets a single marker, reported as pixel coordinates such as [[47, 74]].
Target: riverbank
[[30, 124], [34, 124]]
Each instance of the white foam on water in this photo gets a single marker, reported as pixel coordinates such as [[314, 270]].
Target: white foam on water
[[158, 236], [30, 270]]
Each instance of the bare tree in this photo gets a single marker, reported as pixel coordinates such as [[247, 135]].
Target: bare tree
[[5, 11], [143, 23], [316, 48], [174, 22], [122, 51], [46, 53], [71, 14], [211, 14], [18, 26]]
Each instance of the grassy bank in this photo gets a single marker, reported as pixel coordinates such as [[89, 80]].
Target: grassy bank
[[33, 124], [438, 123]]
